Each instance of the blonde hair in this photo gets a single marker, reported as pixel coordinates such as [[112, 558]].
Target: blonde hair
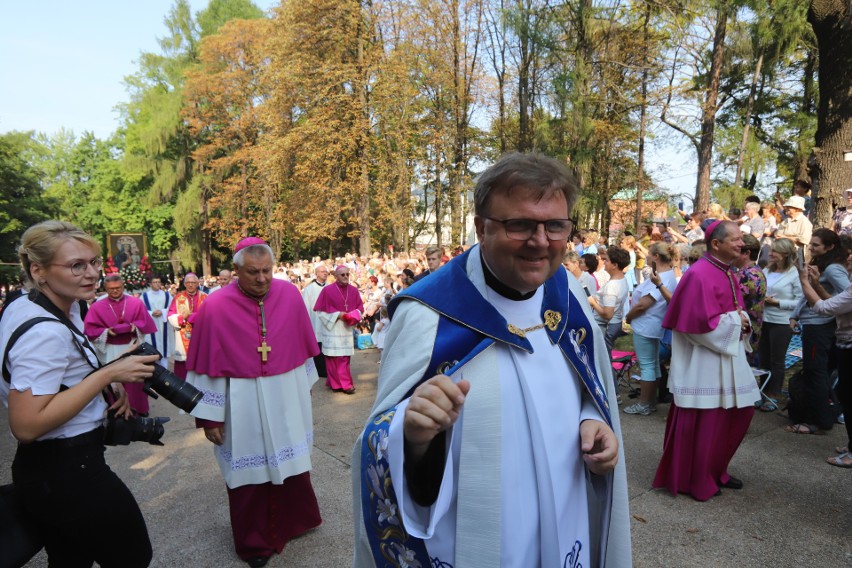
[[663, 250], [715, 211], [787, 250], [40, 242]]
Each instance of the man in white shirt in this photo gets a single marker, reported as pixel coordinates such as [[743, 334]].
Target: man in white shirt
[[796, 227]]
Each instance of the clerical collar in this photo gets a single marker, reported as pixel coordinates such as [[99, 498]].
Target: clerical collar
[[252, 297], [717, 263], [494, 283]]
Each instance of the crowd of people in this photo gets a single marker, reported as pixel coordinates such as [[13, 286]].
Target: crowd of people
[[780, 255], [461, 448]]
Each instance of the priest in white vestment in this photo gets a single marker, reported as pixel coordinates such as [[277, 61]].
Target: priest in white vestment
[[252, 356], [310, 295], [157, 302], [713, 387], [491, 442]]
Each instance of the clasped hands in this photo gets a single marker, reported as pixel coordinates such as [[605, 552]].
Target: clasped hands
[[436, 404]]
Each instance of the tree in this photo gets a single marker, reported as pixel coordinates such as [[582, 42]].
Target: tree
[[22, 202], [158, 145], [322, 58], [832, 24], [224, 98], [219, 12]]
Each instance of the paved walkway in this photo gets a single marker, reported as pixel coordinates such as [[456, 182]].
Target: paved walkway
[[795, 511]]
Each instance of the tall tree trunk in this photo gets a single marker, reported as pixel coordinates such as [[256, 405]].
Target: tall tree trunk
[[747, 119], [525, 55], [708, 111], [582, 128], [364, 243], [808, 99], [832, 24], [643, 109]]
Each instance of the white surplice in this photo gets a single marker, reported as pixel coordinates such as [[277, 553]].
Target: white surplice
[[710, 370], [310, 295], [268, 424]]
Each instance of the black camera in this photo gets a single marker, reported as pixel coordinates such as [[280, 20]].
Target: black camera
[[120, 432], [164, 382]]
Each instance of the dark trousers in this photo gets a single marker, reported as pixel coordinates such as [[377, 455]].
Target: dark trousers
[[319, 361], [844, 387], [817, 347], [772, 352], [84, 510]]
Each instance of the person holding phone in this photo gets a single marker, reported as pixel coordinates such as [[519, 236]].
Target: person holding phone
[[648, 307]]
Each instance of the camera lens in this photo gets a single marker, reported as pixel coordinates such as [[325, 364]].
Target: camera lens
[[120, 432], [166, 384]]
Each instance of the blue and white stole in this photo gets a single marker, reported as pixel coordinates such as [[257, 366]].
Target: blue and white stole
[[468, 325], [165, 350]]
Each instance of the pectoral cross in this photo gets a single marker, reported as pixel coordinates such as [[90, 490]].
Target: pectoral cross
[[263, 350]]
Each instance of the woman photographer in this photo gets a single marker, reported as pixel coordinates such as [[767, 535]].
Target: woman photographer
[[56, 408]]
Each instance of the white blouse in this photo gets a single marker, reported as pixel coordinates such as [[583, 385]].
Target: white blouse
[[44, 358]]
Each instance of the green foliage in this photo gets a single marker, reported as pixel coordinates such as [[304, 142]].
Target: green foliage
[[218, 12], [319, 136], [22, 202]]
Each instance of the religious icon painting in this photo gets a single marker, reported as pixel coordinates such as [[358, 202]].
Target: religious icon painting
[[127, 249]]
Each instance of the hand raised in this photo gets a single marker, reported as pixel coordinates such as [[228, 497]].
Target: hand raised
[[434, 407]]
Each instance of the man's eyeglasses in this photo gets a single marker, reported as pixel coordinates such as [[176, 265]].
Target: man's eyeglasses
[[79, 268], [523, 229]]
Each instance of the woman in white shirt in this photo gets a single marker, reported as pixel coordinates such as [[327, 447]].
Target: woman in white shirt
[[783, 292], [648, 307], [608, 303], [56, 408]]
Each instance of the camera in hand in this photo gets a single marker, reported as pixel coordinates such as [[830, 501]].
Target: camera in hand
[[120, 432], [167, 384]]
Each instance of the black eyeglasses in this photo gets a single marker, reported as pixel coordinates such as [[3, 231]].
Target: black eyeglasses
[[79, 267], [523, 229]]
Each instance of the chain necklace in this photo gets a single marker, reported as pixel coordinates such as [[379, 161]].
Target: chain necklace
[[345, 298], [727, 270], [522, 333], [123, 308], [264, 348], [551, 320]]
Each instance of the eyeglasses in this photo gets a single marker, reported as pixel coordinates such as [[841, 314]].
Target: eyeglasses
[[79, 268], [523, 229]]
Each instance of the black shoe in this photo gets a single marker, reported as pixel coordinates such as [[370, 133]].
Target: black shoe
[[258, 561], [733, 483]]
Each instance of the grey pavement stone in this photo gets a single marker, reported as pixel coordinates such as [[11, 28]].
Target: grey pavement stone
[[795, 510]]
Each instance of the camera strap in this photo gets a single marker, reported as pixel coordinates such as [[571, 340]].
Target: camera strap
[[81, 342]]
